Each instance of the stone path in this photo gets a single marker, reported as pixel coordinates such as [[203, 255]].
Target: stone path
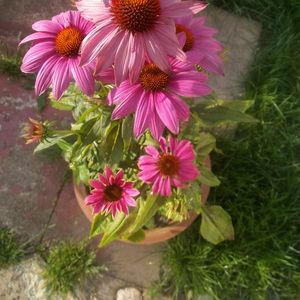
[[29, 184]]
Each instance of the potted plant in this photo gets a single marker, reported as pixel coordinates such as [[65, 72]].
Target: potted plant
[[134, 75]]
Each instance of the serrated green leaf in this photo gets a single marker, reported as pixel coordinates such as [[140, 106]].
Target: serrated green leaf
[[216, 225], [97, 223], [207, 177]]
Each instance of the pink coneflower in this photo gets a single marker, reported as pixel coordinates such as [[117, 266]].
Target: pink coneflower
[[130, 31], [55, 54], [111, 194], [154, 98], [198, 43], [173, 166]]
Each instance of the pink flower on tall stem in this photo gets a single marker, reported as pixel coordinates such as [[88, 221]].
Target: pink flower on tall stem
[[111, 193], [128, 32], [173, 166], [55, 54], [198, 43], [154, 98]]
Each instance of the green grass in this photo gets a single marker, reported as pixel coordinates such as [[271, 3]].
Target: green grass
[[260, 173], [11, 251], [68, 264]]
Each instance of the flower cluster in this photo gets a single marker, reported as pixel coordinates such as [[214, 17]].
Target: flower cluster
[[154, 54]]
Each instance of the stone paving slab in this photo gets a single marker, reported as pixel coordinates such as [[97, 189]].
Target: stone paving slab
[[28, 184], [240, 37]]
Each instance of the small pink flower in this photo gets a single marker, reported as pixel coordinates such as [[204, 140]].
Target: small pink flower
[[128, 32], [55, 54], [154, 98], [111, 193], [198, 43], [173, 166]]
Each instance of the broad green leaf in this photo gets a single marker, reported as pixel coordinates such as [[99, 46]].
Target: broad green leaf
[[147, 209], [49, 142], [239, 105], [97, 227], [205, 143], [114, 143], [220, 114], [193, 196], [118, 228], [117, 149], [93, 134], [42, 101], [207, 177], [127, 126], [83, 174], [137, 236], [63, 104], [112, 229], [216, 225], [64, 145]]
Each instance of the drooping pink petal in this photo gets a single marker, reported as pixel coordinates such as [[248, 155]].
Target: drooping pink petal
[[61, 77], [44, 76], [83, 76], [143, 114], [167, 113]]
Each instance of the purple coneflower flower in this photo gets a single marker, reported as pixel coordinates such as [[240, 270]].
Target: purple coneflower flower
[[198, 43], [173, 166], [130, 31], [55, 54], [111, 193], [154, 98]]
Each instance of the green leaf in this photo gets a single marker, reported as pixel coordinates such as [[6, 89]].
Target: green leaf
[[127, 130], [118, 228], [50, 142], [137, 236], [218, 114], [114, 143], [93, 134], [238, 105], [216, 225], [42, 101], [207, 177], [147, 209], [64, 145], [193, 196], [112, 229], [205, 143], [62, 105], [97, 227]]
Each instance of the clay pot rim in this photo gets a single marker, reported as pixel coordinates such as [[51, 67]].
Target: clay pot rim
[[155, 235]]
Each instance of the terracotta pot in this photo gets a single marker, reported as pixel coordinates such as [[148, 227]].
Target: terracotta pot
[[155, 235]]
